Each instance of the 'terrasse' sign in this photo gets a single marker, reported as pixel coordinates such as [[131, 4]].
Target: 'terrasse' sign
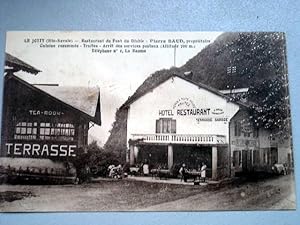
[[40, 150]]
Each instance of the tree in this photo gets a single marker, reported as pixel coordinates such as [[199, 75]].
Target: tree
[[260, 63], [95, 158]]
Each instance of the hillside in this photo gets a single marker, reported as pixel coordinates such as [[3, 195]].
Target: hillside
[[259, 59]]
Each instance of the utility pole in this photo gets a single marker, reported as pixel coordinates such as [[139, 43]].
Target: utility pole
[[231, 71]]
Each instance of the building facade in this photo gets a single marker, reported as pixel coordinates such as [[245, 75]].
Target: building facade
[[44, 126], [179, 121]]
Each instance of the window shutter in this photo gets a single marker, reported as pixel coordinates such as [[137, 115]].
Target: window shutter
[[173, 126], [157, 126]]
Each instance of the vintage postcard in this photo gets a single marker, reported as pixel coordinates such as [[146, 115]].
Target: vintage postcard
[[146, 121]]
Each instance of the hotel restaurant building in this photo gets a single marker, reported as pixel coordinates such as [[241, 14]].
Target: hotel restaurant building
[[179, 121]]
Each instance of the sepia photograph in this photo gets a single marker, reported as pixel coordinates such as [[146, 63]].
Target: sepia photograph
[[146, 121]]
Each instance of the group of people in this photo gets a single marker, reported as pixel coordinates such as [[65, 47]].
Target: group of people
[[140, 169], [115, 171], [185, 173]]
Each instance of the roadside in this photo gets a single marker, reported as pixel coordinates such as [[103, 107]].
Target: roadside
[[130, 195], [270, 194]]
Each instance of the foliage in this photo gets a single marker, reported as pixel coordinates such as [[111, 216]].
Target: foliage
[[116, 142], [260, 66], [94, 157], [273, 110]]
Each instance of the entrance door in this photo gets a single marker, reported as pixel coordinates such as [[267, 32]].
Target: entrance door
[[274, 156], [247, 160]]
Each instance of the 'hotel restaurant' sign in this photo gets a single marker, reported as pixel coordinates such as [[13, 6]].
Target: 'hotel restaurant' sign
[[196, 112], [188, 108]]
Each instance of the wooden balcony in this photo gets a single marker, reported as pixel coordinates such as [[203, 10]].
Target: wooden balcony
[[200, 139]]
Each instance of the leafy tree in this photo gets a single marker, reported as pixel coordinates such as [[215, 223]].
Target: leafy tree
[[94, 157]]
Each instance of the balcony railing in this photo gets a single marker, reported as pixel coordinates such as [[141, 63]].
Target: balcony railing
[[181, 138]]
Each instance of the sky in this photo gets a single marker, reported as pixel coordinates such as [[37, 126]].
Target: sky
[[117, 74]]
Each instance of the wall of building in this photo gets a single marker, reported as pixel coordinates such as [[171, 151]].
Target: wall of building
[[246, 136], [173, 99], [284, 149], [261, 148], [36, 126], [223, 168], [264, 138], [244, 143]]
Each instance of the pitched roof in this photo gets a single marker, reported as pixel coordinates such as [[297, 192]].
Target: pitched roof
[[18, 64], [136, 95], [83, 98], [86, 100]]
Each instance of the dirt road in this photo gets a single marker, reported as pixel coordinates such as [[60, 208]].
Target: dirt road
[[276, 193], [128, 195]]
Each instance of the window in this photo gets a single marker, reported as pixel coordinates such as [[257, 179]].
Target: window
[[44, 131], [26, 131], [237, 128], [256, 158], [166, 126], [237, 158], [57, 131], [266, 156]]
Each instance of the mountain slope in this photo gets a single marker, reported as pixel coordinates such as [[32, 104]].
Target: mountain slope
[[259, 59]]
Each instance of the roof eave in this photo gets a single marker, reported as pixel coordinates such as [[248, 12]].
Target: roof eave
[[18, 64], [89, 117], [200, 85], [97, 117]]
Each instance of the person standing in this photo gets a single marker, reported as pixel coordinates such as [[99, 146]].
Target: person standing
[[146, 169], [183, 172], [203, 172], [110, 170]]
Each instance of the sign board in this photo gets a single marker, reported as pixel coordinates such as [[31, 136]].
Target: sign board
[[186, 107], [40, 149]]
